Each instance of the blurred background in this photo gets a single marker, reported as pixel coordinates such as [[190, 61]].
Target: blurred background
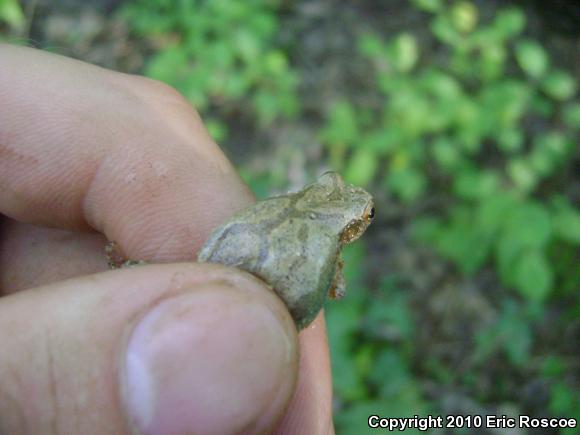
[[460, 117]]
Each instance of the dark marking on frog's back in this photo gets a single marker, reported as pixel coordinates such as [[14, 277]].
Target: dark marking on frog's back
[[303, 233], [261, 229]]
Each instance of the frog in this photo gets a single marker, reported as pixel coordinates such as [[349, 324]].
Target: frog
[[293, 242]]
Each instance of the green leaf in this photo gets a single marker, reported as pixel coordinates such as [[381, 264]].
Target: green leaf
[[267, 106], [562, 399], [412, 112], [529, 225], [167, 64], [552, 366], [468, 245], [446, 153], [441, 84], [361, 167], [473, 184], [464, 16], [532, 58], [492, 210], [567, 224], [493, 58], [381, 141], [11, 13], [511, 140], [541, 161], [559, 85], [553, 143], [444, 30], [371, 45], [503, 105], [276, 62], [522, 174], [217, 129], [507, 251], [510, 22], [571, 115], [341, 127], [247, 44], [404, 52], [533, 275], [407, 183]]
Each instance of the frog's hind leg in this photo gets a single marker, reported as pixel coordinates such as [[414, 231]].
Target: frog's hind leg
[[116, 260], [338, 285]]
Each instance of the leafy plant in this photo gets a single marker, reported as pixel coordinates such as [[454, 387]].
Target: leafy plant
[[564, 399], [485, 127], [222, 55], [462, 126], [374, 373], [511, 333], [11, 14]]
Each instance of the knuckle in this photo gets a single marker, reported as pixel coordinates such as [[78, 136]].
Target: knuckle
[[156, 90]]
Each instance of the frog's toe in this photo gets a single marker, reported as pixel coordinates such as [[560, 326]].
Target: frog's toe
[[337, 287]]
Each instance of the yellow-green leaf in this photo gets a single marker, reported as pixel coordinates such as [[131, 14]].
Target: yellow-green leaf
[[559, 85], [532, 58], [362, 167], [11, 13]]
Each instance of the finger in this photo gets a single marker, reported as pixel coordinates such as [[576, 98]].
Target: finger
[[83, 147], [310, 410], [178, 348], [32, 256]]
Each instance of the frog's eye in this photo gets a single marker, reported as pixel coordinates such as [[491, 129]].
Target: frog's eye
[[371, 213]]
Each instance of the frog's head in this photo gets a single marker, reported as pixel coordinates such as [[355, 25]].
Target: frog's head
[[349, 209]]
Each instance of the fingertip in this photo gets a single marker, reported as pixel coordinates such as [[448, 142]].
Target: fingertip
[[196, 347], [310, 410], [216, 359]]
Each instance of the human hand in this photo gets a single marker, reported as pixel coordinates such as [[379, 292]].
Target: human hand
[[164, 348]]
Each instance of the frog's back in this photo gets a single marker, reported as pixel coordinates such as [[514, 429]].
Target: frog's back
[[283, 246], [243, 240]]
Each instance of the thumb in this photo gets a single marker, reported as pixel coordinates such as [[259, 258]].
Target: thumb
[[176, 348]]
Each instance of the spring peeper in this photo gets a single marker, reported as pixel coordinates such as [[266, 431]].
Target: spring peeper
[[293, 242]]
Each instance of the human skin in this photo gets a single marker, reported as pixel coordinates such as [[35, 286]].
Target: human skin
[[87, 155]]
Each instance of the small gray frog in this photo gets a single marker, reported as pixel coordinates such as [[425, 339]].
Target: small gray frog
[[293, 242]]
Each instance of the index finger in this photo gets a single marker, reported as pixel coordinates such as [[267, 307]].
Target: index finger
[[82, 147]]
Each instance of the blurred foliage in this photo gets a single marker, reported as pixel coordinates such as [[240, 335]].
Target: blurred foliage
[[462, 127], [486, 125], [220, 54], [470, 127], [11, 16], [374, 377]]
